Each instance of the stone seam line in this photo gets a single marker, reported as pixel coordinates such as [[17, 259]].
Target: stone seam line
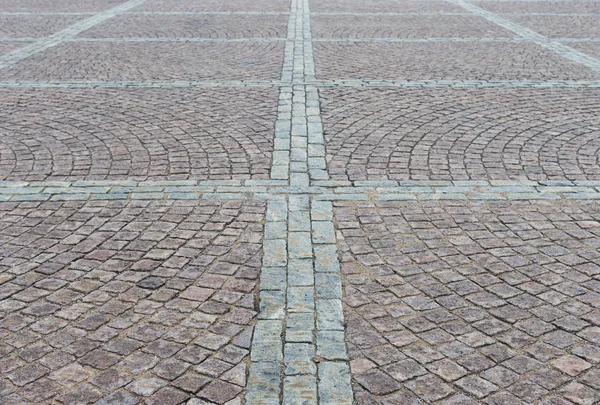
[[298, 352], [285, 99], [386, 190], [59, 37]]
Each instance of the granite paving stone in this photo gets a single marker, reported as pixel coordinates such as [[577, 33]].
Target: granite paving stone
[[266, 202]]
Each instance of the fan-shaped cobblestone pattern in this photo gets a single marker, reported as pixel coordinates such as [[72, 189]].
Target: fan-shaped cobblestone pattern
[[472, 303], [147, 300], [444, 26], [431, 61], [196, 26], [17, 26], [56, 6], [385, 6], [145, 134], [544, 6], [215, 5], [152, 61], [561, 26], [462, 134]]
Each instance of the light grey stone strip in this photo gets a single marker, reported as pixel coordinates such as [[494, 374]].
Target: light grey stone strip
[[278, 189], [208, 12], [460, 83], [264, 379], [533, 84], [424, 40], [383, 14], [577, 39], [144, 84], [463, 14], [549, 44], [40, 45], [552, 14], [280, 162], [300, 385], [334, 372], [173, 39], [315, 142]]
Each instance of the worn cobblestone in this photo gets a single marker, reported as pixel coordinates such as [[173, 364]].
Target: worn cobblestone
[[468, 293], [157, 299], [168, 177]]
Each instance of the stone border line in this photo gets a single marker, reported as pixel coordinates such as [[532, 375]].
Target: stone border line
[[9, 59], [285, 99], [546, 43], [190, 40], [348, 40], [320, 190], [331, 13]]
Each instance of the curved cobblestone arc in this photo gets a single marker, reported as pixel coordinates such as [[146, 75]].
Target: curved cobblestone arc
[[457, 135], [97, 134]]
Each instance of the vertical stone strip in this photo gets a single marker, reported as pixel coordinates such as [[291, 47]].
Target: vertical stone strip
[[264, 378], [280, 166], [59, 37], [301, 318], [317, 168], [334, 372], [300, 384]]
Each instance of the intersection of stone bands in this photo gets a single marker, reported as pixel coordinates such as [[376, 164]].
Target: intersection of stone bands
[[298, 352]]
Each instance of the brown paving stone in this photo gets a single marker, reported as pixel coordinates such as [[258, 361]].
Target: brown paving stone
[[194, 26], [82, 61], [504, 353], [124, 135], [113, 342], [443, 61], [439, 134]]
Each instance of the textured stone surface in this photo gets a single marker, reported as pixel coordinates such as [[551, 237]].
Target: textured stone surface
[[480, 299], [459, 134], [153, 151], [78, 323], [145, 134]]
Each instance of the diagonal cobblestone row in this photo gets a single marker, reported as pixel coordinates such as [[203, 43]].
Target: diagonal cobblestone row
[[127, 301], [460, 303]]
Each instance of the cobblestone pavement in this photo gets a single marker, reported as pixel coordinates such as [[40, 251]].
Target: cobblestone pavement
[[299, 202]]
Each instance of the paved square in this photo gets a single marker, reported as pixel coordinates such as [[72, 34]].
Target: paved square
[[191, 26], [215, 5], [461, 134], [379, 6], [444, 61], [139, 134], [298, 202], [61, 6], [539, 6], [147, 61], [162, 304], [491, 300], [408, 26], [563, 26]]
